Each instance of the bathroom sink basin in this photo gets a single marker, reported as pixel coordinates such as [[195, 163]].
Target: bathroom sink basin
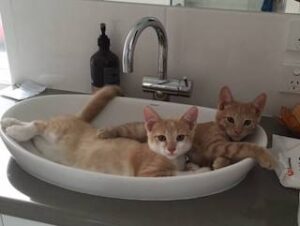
[[120, 110]]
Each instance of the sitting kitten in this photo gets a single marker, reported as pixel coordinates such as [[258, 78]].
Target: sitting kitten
[[72, 141], [216, 143]]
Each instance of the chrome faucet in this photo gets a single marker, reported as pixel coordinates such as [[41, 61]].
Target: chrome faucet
[[161, 87], [132, 38]]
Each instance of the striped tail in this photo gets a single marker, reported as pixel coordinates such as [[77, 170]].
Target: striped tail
[[98, 102]]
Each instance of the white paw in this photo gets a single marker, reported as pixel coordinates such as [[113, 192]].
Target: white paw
[[202, 170], [191, 166], [6, 122], [21, 132]]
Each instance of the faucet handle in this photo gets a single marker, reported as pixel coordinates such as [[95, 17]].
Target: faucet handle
[[177, 87], [185, 86], [186, 82]]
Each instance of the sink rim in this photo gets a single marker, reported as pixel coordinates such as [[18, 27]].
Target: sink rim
[[116, 186], [118, 177]]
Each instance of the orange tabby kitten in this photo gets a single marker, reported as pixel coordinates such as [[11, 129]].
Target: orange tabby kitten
[[72, 141], [216, 143]]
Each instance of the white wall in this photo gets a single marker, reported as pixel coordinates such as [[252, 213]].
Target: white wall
[[52, 41]]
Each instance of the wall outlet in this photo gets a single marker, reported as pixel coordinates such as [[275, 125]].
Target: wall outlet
[[294, 85], [291, 79]]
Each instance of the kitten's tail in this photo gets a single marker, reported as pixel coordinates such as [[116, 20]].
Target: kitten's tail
[[98, 102]]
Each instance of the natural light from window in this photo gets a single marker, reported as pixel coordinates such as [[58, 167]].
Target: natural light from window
[[4, 66]]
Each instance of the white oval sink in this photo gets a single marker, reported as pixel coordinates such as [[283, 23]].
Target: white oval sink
[[120, 110]]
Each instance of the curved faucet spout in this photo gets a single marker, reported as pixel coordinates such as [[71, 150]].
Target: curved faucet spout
[[132, 38]]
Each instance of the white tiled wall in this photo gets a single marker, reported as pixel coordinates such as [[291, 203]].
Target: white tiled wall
[[51, 41], [55, 38], [242, 50]]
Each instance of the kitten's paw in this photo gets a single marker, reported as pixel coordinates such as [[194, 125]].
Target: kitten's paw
[[202, 170], [21, 132], [104, 134], [266, 160], [191, 166], [193, 172], [221, 162], [7, 122]]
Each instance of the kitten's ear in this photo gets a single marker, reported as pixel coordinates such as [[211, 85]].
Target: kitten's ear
[[151, 117], [190, 116], [260, 102], [225, 97]]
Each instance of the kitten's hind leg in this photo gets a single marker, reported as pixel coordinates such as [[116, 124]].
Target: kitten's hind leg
[[24, 131], [7, 122]]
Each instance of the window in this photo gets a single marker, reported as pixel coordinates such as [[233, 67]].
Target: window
[[4, 66]]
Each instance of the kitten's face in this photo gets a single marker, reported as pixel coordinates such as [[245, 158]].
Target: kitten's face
[[169, 137], [238, 119]]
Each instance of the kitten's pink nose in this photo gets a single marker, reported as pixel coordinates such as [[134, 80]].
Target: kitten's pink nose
[[171, 150], [237, 131]]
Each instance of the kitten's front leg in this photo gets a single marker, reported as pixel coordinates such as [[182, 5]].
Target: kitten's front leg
[[221, 162], [106, 133], [265, 159], [134, 130]]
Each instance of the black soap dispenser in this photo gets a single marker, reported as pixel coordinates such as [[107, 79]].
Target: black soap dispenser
[[104, 63]]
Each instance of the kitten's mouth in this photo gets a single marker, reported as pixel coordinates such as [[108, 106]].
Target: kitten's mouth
[[236, 138], [171, 155]]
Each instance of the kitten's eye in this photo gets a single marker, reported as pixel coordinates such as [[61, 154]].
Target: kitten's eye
[[230, 119], [247, 122], [161, 138], [180, 137]]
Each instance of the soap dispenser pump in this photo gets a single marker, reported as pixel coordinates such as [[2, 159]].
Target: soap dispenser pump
[[104, 63]]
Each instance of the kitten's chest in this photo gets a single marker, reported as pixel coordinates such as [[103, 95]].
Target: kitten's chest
[[179, 163]]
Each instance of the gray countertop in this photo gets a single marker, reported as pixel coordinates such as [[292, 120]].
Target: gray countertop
[[258, 200]]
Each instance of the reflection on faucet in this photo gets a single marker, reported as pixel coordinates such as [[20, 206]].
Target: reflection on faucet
[[161, 87]]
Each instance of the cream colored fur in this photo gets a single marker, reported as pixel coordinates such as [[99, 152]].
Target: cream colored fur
[[72, 141], [217, 144]]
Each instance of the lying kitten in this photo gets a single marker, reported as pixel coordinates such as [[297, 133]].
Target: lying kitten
[[216, 143], [72, 141]]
